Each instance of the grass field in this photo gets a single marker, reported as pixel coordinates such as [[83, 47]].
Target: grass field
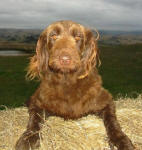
[[121, 71], [14, 89]]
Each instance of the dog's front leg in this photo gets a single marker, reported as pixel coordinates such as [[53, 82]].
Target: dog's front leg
[[114, 132], [30, 138]]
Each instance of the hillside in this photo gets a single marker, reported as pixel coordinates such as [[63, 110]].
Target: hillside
[[19, 35], [120, 37], [106, 37]]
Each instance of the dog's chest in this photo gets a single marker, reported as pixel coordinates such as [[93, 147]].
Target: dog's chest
[[67, 102]]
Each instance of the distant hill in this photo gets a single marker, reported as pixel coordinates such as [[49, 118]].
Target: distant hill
[[19, 35], [106, 36], [116, 33], [120, 37]]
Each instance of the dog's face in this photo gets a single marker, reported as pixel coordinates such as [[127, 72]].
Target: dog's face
[[65, 42], [65, 47]]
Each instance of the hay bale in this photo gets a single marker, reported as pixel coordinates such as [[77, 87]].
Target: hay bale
[[87, 133]]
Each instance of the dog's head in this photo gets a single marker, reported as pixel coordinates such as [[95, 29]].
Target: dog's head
[[64, 47]]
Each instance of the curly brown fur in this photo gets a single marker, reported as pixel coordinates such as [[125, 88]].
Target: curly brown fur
[[65, 62]]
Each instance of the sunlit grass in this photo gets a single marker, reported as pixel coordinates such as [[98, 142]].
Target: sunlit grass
[[83, 134]]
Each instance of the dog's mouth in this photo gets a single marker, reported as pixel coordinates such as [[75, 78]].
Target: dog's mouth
[[64, 63], [63, 68]]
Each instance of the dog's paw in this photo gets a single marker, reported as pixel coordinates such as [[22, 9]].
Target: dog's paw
[[125, 144], [28, 141]]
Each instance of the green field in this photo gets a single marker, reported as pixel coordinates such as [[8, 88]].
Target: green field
[[121, 71], [14, 89]]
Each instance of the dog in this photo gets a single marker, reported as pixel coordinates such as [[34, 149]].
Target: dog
[[65, 63]]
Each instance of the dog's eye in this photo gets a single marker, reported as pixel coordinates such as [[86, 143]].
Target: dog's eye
[[76, 34], [77, 37], [53, 36]]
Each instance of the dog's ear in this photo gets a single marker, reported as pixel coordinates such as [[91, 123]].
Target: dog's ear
[[90, 53], [39, 62], [42, 52]]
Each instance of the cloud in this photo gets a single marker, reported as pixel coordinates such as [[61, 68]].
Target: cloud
[[103, 14], [129, 4]]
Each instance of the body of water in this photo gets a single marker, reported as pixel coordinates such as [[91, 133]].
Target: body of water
[[13, 53]]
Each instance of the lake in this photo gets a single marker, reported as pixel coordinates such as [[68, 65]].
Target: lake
[[13, 53]]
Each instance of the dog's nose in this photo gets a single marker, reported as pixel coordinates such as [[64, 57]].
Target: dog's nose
[[65, 59]]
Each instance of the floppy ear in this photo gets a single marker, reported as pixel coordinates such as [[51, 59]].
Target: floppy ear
[[90, 54], [39, 62]]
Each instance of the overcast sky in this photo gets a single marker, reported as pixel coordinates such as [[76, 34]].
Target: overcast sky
[[102, 14]]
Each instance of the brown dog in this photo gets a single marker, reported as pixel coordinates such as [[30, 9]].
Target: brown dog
[[65, 61]]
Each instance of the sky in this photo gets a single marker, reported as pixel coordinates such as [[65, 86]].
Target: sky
[[101, 14]]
